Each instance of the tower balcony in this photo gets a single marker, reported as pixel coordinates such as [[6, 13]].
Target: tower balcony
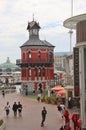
[[30, 62]]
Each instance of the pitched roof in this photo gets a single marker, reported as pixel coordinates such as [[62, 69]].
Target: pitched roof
[[33, 24], [34, 41]]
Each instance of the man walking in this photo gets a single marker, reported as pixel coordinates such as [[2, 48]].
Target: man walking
[[19, 108], [44, 112], [15, 107]]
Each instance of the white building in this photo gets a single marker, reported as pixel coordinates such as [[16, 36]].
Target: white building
[[10, 71]]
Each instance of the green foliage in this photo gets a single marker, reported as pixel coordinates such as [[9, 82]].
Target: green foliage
[[1, 122], [32, 96], [60, 100], [43, 97], [46, 97], [53, 99]]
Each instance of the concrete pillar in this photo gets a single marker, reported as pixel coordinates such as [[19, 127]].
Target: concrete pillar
[[82, 87]]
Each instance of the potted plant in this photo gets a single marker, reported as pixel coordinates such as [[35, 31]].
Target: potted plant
[[43, 98], [59, 101], [47, 99], [2, 124], [53, 99]]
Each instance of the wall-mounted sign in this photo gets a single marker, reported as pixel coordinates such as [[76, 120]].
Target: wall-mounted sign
[[76, 71]]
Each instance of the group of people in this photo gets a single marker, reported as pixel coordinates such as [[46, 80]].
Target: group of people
[[16, 107], [65, 113], [75, 119]]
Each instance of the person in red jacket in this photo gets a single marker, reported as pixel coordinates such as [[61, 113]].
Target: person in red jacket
[[68, 127], [79, 123], [66, 115], [75, 118]]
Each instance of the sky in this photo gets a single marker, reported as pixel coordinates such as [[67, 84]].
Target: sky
[[14, 18]]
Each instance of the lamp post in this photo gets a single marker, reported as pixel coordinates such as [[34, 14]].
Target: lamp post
[[48, 88]]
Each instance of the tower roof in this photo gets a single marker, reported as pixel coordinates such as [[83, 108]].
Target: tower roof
[[33, 25], [34, 39], [36, 42]]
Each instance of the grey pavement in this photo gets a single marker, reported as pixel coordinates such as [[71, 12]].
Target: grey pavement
[[31, 114]]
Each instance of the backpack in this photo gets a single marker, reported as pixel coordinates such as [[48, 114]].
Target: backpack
[[59, 108]]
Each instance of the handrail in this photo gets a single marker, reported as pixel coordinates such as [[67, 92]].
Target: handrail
[[19, 61]]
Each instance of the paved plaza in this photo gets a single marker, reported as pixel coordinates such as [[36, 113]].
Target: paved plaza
[[31, 114]]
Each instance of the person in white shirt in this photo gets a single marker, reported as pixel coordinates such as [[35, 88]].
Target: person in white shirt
[[7, 109], [62, 109], [39, 97]]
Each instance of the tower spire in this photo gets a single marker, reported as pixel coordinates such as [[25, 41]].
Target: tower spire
[[33, 17]]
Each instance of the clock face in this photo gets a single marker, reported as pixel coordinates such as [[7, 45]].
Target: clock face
[[35, 31]]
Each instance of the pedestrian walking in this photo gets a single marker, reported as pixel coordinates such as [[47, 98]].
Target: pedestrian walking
[[43, 113], [66, 115], [3, 93], [61, 128], [39, 97], [19, 106], [7, 109], [14, 108], [59, 108], [62, 109], [68, 127]]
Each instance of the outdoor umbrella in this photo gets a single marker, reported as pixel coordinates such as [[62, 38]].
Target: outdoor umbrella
[[61, 91], [57, 88]]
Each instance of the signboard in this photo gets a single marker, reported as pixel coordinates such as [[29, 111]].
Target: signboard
[[76, 71]]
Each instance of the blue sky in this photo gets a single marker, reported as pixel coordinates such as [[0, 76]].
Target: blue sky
[[14, 17]]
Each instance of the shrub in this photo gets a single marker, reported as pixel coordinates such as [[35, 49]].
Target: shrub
[[43, 97], [1, 122], [60, 100], [53, 99], [47, 99]]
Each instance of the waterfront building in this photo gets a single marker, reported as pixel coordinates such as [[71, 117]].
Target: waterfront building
[[63, 67], [64, 72], [37, 61], [10, 72], [79, 23], [60, 60]]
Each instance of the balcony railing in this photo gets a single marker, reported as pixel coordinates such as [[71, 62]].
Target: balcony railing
[[19, 61]]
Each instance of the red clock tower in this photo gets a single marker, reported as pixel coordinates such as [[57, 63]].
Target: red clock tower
[[37, 60]]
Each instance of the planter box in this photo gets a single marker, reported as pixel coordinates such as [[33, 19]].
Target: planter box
[[2, 127]]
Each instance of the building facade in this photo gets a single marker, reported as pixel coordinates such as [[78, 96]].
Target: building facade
[[79, 23], [60, 60], [37, 61], [63, 68]]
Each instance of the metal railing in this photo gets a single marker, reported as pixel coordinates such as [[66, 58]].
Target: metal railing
[[19, 61]]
